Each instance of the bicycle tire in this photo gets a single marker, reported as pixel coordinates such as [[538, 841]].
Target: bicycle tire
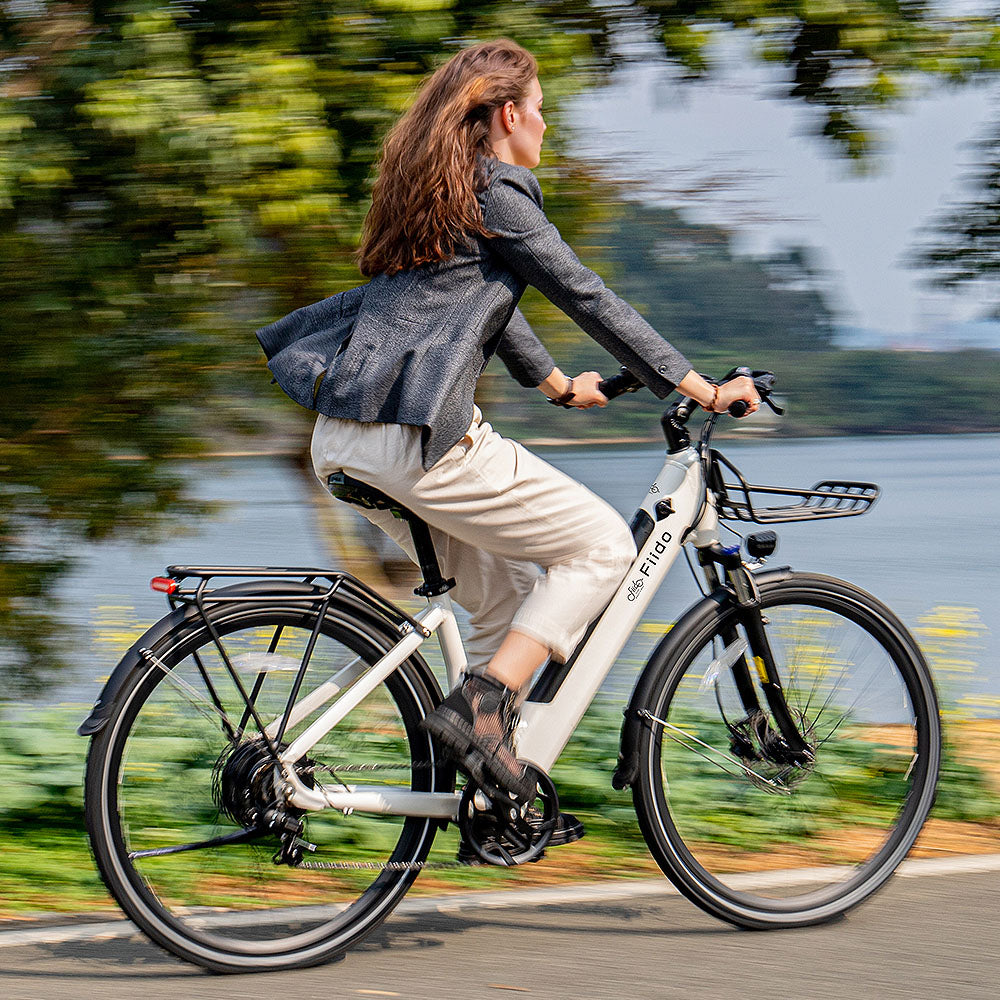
[[155, 769], [743, 850]]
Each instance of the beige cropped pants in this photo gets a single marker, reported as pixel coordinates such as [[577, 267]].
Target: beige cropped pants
[[529, 548]]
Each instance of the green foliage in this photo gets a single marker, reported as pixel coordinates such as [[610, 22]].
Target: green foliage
[[964, 793], [46, 863], [41, 767], [173, 176]]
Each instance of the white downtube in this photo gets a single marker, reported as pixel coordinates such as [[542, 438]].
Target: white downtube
[[547, 727]]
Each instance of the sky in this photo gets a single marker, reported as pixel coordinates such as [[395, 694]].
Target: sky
[[786, 185]]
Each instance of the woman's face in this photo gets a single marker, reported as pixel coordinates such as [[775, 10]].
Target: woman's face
[[525, 141]]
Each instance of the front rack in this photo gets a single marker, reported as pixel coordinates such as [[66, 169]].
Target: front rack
[[830, 498]]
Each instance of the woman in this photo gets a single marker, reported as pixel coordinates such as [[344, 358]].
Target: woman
[[455, 232]]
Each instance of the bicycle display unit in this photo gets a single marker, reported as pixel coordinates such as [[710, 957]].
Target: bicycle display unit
[[260, 794]]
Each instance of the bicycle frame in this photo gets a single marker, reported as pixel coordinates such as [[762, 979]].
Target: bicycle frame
[[678, 501], [769, 681]]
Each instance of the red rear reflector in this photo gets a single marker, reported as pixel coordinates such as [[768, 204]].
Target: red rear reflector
[[164, 584]]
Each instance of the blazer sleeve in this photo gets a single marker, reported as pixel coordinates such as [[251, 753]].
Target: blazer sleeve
[[531, 247], [301, 346], [523, 353]]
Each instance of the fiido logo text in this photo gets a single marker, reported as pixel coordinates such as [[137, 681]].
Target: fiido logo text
[[654, 555]]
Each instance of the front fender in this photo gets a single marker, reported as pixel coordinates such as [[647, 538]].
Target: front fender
[[666, 650]]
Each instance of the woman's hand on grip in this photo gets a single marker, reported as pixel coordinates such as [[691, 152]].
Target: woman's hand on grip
[[739, 388], [585, 391]]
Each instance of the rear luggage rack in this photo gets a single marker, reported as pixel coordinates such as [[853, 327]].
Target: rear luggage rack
[[286, 583], [830, 498]]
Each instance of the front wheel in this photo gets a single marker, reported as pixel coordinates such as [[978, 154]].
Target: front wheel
[[181, 768], [756, 836]]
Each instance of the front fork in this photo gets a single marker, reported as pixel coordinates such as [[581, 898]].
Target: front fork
[[786, 743]]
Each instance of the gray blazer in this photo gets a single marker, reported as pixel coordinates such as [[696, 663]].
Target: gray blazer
[[408, 348]]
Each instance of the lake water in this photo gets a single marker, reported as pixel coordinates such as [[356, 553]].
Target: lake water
[[924, 549]]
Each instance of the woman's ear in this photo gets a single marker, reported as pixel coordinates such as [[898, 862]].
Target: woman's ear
[[507, 115]]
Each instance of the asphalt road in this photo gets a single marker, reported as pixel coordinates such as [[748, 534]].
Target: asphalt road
[[924, 936]]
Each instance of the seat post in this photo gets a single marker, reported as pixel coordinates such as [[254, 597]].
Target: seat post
[[434, 583], [351, 490]]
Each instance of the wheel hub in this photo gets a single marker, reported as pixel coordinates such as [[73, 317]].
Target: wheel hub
[[768, 757], [246, 788]]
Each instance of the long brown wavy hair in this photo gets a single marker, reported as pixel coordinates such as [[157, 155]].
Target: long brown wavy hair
[[424, 202]]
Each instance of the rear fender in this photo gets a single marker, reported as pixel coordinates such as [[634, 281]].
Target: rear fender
[[190, 615]]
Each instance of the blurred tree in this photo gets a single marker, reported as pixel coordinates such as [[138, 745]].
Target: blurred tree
[[845, 57], [173, 174], [963, 244], [702, 296]]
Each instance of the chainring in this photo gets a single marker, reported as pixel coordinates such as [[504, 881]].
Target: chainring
[[504, 832]]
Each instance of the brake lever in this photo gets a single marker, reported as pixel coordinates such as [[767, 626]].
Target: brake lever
[[763, 382]]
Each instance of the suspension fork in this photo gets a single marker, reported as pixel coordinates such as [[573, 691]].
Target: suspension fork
[[746, 596]]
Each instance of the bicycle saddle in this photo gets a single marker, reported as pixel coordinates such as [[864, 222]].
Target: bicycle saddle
[[351, 490]]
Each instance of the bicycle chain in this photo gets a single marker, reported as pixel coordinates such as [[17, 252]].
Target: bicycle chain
[[420, 765], [392, 866]]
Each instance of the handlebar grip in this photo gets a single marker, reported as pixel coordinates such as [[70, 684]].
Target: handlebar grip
[[619, 384], [738, 408]]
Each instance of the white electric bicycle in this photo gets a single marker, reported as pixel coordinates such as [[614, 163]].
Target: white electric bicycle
[[260, 794]]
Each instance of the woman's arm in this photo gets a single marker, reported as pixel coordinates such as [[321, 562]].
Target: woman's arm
[[525, 356], [715, 398], [531, 246]]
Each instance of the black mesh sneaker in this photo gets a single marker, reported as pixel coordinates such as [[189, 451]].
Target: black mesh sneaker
[[475, 725]]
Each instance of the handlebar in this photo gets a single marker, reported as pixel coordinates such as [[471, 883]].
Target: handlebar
[[619, 384], [763, 381], [674, 421]]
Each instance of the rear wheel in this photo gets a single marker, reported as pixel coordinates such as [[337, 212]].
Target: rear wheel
[[182, 764], [749, 834]]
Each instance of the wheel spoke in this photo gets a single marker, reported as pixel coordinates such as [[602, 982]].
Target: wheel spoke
[[188, 811], [711, 812], [675, 733], [197, 700]]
